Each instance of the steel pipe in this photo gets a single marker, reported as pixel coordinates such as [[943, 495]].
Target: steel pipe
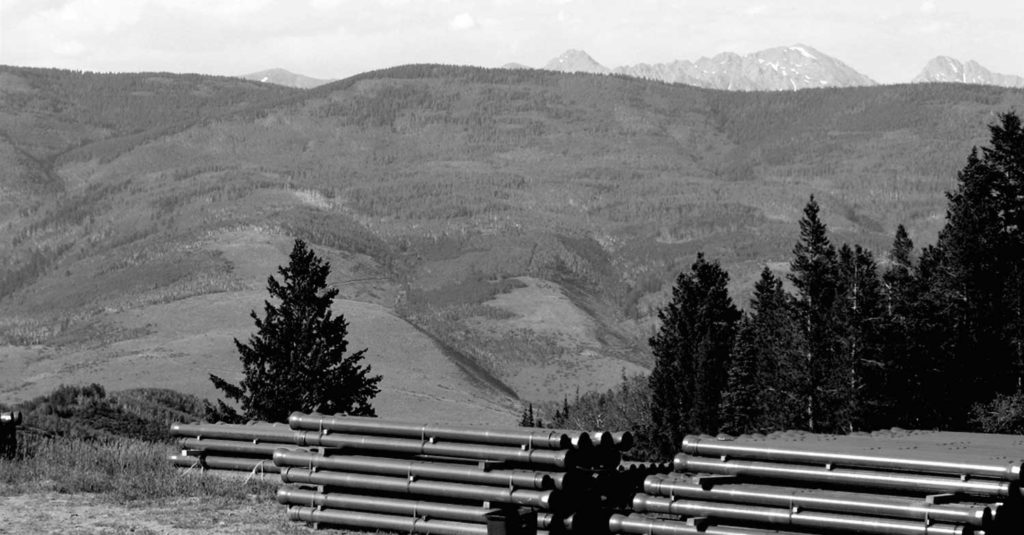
[[10, 418], [382, 505], [792, 517], [797, 453], [641, 525], [550, 500], [404, 524], [263, 449], [216, 462], [255, 433], [283, 435], [819, 500], [856, 478], [523, 479], [528, 437]]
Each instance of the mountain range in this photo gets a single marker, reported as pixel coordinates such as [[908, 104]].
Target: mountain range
[[775, 69], [498, 236]]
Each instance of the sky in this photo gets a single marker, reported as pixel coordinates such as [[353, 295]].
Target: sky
[[888, 40]]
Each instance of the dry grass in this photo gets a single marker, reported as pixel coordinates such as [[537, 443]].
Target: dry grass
[[121, 470]]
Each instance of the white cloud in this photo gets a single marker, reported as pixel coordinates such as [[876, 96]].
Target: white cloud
[[462, 21], [928, 6]]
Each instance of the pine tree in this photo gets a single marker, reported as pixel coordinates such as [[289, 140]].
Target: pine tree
[[765, 380], [691, 352], [814, 273], [296, 360]]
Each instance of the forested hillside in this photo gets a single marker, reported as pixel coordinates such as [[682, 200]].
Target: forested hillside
[[530, 222]]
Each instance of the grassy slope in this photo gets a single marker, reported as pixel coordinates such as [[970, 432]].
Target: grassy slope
[[452, 197]]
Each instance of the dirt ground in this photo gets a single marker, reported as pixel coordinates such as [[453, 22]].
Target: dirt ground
[[80, 514]]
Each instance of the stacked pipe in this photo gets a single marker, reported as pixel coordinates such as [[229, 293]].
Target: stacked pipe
[[381, 474], [838, 485], [242, 447]]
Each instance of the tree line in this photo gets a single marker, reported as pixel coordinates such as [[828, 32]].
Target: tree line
[[932, 339], [928, 338]]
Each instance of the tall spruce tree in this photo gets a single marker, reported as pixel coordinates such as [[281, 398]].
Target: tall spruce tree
[[296, 360], [765, 381], [691, 351], [814, 273], [857, 383], [979, 282]]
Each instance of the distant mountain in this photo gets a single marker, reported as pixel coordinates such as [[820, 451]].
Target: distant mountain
[[285, 78], [781, 68], [576, 61], [514, 65], [947, 69]]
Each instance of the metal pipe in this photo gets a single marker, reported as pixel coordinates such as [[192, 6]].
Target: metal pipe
[[422, 509], [283, 435], [216, 462], [792, 517], [523, 479], [529, 437], [255, 433], [549, 500], [263, 449], [818, 500], [404, 524], [10, 418], [796, 453], [382, 505], [856, 478], [641, 525]]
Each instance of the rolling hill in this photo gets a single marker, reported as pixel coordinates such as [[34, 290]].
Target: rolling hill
[[509, 233]]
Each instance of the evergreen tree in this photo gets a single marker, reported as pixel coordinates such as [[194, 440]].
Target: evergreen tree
[[296, 360], [814, 273], [980, 281], [856, 386], [691, 352], [765, 380]]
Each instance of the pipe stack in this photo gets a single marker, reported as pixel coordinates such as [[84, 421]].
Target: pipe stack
[[818, 483], [381, 474], [371, 473]]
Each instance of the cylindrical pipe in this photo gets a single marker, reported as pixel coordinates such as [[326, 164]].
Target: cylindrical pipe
[[404, 524], [382, 505], [790, 517], [216, 462], [856, 478], [549, 500], [798, 453], [258, 433], [529, 437], [284, 435], [640, 525], [523, 479], [11, 418], [262, 449], [818, 500]]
